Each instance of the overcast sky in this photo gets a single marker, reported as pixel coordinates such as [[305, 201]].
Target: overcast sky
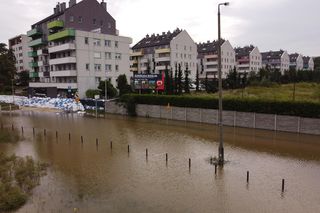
[[291, 25]]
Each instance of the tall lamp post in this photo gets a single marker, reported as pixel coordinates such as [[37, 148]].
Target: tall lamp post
[[106, 94], [221, 149]]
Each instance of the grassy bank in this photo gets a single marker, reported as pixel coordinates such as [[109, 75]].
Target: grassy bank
[[6, 107], [8, 137]]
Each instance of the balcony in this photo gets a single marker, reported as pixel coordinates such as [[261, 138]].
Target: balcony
[[163, 50], [162, 67], [33, 75], [62, 34], [33, 64], [55, 24], [211, 56], [42, 52], [211, 69], [43, 63], [32, 54], [162, 59], [62, 47], [140, 53], [34, 32], [135, 61], [211, 63], [144, 61], [58, 85], [66, 60], [36, 42], [63, 73], [133, 69]]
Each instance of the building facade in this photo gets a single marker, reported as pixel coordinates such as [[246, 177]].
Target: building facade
[[296, 61], [308, 63], [76, 48], [208, 59], [154, 53], [248, 59], [21, 50], [276, 60]]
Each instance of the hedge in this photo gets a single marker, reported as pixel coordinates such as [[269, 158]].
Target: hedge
[[292, 108]]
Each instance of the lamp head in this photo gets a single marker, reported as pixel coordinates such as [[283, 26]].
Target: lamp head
[[226, 3]]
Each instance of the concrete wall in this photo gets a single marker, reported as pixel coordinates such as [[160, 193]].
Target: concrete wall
[[230, 118]]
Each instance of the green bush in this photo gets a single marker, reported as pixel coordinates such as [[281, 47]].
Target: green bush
[[302, 109], [90, 93]]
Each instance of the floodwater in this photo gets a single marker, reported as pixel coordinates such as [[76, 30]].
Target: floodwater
[[95, 178]]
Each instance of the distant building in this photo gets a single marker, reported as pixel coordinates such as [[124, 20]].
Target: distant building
[[75, 48], [308, 63], [208, 59], [248, 59], [20, 48], [154, 53], [296, 61], [276, 60]]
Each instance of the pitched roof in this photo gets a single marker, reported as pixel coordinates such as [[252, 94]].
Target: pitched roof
[[157, 40], [209, 47], [306, 59], [243, 51], [272, 55], [293, 57]]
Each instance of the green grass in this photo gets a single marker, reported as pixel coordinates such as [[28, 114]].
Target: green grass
[[309, 92]]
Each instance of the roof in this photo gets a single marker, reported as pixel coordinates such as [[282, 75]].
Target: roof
[[243, 51], [209, 47], [157, 40], [272, 55], [306, 59], [293, 57]]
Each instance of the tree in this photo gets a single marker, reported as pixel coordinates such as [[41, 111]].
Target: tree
[[171, 82], [23, 78], [7, 68], [111, 91], [167, 81], [123, 85], [176, 79], [206, 83], [186, 81], [90, 93], [197, 80], [232, 79], [179, 81]]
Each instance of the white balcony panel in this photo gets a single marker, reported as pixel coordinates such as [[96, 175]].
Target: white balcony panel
[[211, 63], [211, 70], [62, 47], [58, 85], [211, 56], [162, 59], [67, 60], [162, 67], [144, 60], [64, 73]]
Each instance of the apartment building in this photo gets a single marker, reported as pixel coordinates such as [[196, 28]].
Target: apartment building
[[208, 59], [296, 61], [154, 53], [308, 63], [76, 48], [21, 50], [276, 60], [248, 59]]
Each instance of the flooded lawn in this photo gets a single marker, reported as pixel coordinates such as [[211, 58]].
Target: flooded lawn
[[93, 177]]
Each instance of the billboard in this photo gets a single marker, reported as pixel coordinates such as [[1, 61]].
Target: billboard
[[148, 82]]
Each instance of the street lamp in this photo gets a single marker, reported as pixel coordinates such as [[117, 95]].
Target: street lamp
[[221, 149], [106, 93]]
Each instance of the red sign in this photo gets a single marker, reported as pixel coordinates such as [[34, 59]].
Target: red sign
[[160, 83]]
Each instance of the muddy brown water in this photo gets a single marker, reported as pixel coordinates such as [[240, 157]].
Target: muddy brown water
[[90, 178]]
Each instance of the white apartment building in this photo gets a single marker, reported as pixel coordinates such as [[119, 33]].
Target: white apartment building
[[248, 59], [208, 59], [21, 50], [308, 63], [296, 61], [156, 52], [276, 60], [80, 62]]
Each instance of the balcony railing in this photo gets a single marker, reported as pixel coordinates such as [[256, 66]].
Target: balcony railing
[[32, 54], [33, 74], [62, 34], [55, 24], [36, 42], [163, 50], [34, 32], [33, 64]]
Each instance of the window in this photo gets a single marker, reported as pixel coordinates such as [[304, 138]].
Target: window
[[71, 19], [88, 67], [108, 55], [101, 23], [86, 40], [107, 43], [190, 48], [97, 55], [98, 79], [116, 44], [185, 47], [80, 19], [177, 46], [108, 68], [96, 42], [94, 21], [20, 48], [97, 67], [117, 68], [118, 56], [177, 55]]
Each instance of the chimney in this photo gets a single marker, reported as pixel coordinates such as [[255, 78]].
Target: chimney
[[58, 8], [163, 33], [104, 4], [63, 7], [72, 2]]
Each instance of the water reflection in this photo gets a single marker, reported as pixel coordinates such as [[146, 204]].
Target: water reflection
[[108, 178]]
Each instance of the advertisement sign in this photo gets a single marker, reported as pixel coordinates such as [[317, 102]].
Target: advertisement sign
[[148, 82]]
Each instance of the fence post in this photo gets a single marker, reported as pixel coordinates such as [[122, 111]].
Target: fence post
[[275, 122], [234, 118], [185, 113], [299, 123], [254, 120], [200, 115]]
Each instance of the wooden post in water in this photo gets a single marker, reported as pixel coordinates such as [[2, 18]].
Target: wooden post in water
[[22, 129], [44, 132], [166, 157], [12, 127], [247, 176], [215, 169], [189, 163], [57, 135], [147, 153], [82, 139], [282, 185], [111, 145], [69, 136], [33, 131], [128, 148], [97, 142]]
